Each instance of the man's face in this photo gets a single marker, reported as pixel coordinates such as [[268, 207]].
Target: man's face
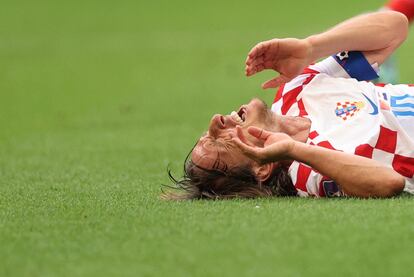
[[216, 150]]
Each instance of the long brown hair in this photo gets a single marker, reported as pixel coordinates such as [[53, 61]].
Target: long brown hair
[[240, 182]]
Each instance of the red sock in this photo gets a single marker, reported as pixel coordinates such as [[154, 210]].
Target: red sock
[[403, 6]]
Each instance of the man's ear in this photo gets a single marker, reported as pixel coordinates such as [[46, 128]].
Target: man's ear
[[264, 171]]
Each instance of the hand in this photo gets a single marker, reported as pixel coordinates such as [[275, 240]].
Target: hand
[[287, 56], [277, 146]]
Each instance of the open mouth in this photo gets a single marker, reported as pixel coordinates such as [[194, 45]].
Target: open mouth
[[239, 116]]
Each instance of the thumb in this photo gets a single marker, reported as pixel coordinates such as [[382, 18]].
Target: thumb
[[259, 133], [275, 82]]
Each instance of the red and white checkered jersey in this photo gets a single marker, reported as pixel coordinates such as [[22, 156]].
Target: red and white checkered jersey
[[352, 116]]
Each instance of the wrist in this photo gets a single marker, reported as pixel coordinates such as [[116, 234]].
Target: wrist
[[293, 150], [297, 150], [312, 42]]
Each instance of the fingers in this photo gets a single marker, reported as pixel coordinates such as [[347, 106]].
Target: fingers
[[275, 82], [259, 133], [258, 50], [255, 65], [255, 58], [259, 154], [248, 60], [253, 70]]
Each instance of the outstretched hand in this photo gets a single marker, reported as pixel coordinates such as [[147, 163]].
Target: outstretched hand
[[288, 56], [276, 146]]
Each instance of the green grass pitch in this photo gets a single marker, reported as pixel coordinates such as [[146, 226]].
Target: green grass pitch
[[97, 98]]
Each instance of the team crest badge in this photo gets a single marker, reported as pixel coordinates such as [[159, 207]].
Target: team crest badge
[[348, 109]]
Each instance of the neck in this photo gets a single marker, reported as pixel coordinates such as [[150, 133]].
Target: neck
[[296, 127]]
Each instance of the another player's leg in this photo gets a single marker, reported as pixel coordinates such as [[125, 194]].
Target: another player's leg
[[389, 69], [403, 6]]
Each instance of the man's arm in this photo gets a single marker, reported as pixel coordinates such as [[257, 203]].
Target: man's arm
[[376, 34], [357, 176]]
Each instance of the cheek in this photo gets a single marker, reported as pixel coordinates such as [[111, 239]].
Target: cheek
[[256, 120]]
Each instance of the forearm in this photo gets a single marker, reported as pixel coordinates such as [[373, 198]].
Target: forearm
[[357, 176], [376, 34]]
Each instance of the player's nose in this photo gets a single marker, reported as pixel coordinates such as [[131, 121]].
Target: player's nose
[[216, 125]]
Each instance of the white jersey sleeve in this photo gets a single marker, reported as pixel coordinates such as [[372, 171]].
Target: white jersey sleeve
[[347, 64]]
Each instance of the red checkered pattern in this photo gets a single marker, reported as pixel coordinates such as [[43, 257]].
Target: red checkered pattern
[[302, 177], [385, 148], [383, 140], [289, 94], [305, 176], [316, 139]]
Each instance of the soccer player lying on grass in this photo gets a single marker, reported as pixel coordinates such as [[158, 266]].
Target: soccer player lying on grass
[[328, 133]]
